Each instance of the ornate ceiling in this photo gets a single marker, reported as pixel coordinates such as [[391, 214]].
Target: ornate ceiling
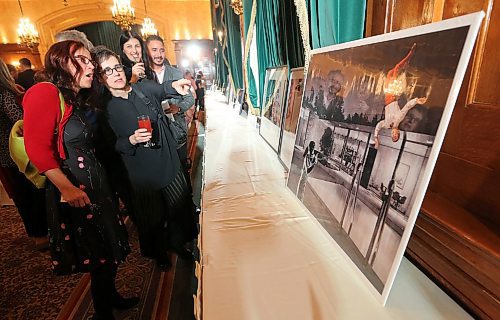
[[174, 19]]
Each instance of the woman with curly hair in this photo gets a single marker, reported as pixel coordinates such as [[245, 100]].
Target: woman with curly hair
[[86, 233]]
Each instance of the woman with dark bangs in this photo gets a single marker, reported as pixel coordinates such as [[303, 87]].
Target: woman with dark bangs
[[86, 233], [163, 207], [134, 57]]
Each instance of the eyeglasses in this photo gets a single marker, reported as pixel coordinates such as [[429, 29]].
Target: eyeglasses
[[85, 60], [109, 71]]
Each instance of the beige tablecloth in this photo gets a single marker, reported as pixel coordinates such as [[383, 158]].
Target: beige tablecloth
[[264, 257]]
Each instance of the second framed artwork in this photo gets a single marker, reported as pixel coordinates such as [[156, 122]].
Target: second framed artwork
[[273, 106], [291, 115]]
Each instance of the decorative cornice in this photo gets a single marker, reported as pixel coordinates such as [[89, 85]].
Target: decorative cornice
[[75, 15]]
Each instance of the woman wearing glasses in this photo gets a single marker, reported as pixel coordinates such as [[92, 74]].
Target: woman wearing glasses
[[163, 208], [86, 233], [134, 57]]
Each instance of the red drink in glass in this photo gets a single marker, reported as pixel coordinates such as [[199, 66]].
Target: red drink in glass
[[145, 123]]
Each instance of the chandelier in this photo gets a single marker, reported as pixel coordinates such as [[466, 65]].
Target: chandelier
[[237, 6], [26, 31], [123, 14], [148, 27]]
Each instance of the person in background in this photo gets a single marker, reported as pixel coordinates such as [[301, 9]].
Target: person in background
[[14, 74], [13, 71], [26, 75], [86, 232], [188, 75], [163, 208], [134, 57], [29, 201], [179, 108], [200, 91]]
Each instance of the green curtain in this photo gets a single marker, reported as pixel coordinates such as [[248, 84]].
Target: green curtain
[[105, 33], [335, 21], [251, 89], [292, 36], [247, 14], [234, 53], [220, 65], [267, 24]]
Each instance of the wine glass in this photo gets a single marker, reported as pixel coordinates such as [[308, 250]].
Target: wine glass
[[142, 75], [145, 123]]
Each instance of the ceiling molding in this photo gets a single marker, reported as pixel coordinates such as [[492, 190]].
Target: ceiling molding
[[77, 15]]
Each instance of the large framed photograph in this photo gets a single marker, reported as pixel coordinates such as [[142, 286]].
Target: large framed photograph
[[291, 115], [274, 101], [373, 118]]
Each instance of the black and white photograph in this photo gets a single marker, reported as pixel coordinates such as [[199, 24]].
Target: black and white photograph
[[275, 90], [368, 124], [291, 118]]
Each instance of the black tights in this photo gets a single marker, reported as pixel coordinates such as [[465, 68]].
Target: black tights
[[103, 290]]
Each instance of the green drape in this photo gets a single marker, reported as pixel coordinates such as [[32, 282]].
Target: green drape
[[291, 34], [251, 86], [220, 65], [234, 53], [105, 33], [247, 14], [335, 21], [270, 52]]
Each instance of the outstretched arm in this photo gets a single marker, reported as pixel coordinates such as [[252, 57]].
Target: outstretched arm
[[410, 104], [380, 125]]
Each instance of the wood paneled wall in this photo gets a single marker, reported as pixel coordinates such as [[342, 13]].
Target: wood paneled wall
[[456, 237], [10, 53]]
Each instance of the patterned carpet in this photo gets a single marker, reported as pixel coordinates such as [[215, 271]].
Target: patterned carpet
[[137, 277], [29, 290]]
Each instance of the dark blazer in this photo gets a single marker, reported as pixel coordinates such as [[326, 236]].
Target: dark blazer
[[26, 79]]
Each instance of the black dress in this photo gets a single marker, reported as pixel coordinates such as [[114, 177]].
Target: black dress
[[83, 238], [163, 208]]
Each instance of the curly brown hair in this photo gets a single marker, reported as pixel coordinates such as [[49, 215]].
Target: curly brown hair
[[57, 69]]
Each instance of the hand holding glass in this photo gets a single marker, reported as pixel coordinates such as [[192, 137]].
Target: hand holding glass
[[142, 75], [145, 123]]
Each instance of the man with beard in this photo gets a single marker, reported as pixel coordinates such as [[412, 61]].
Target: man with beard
[[177, 109], [163, 71]]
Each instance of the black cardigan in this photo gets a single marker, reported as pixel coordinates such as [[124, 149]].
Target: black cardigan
[[150, 168]]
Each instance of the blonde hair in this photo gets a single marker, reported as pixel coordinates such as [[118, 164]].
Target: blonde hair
[[6, 80]]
